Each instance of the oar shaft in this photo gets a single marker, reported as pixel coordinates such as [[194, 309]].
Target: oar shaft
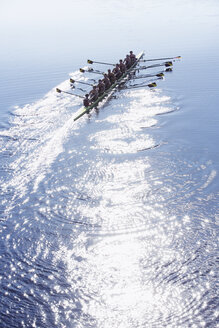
[[73, 81], [154, 59], [167, 64], [73, 94], [69, 93], [148, 75], [95, 72], [150, 85], [97, 62], [102, 63]]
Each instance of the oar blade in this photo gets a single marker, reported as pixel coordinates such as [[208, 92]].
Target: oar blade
[[58, 90], [160, 75], [167, 64], [152, 85]]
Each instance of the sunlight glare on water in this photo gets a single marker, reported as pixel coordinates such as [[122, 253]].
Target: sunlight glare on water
[[111, 220]]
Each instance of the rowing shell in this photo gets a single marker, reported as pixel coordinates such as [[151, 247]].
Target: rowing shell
[[109, 91]]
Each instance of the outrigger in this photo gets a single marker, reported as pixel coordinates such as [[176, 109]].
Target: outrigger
[[112, 89], [125, 77]]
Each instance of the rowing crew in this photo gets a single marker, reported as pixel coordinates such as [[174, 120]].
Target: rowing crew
[[109, 79]]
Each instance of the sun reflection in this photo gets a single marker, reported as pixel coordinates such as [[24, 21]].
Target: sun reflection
[[122, 255], [126, 277], [120, 281]]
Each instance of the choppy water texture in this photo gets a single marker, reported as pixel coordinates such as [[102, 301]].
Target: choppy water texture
[[111, 221]]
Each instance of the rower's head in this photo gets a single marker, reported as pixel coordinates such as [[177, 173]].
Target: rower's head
[[105, 75], [117, 65], [131, 52], [109, 70], [100, 81], [87, 95], [120, 60]]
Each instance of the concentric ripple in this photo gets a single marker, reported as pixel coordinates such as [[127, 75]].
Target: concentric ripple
[[100, 226]]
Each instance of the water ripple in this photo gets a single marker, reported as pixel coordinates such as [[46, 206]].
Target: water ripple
[[95, 230]]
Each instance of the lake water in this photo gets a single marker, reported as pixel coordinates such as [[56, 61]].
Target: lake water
[[112, 220]]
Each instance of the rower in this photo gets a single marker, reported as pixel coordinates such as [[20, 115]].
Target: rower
[[86, 101], [122, 66], [111, 76], [127, 61], [93, 95], [133, 58], [117, 72], [106, 81], [101, 87]]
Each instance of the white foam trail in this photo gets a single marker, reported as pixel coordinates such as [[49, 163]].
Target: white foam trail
[[132, 111], [38, 134], [40, 130]]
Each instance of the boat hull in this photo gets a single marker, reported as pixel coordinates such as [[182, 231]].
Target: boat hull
[[109, 91]]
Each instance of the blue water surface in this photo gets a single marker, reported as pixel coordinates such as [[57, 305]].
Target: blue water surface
[[112, 220]]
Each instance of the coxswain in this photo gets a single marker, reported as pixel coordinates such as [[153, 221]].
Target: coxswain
[[133, 58], [93, 95], [106, 81], [117, 72], [101, 87], [111, 76], [127, 61], [122, 66], [86, 101]]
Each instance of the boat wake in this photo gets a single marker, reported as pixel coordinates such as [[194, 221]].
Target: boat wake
[[39, 131], [91, 219]]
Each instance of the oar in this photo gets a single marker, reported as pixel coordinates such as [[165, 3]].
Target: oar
[[160, 75], [91, 70], [146, 60], [73, 81], [97, 62], [166, 64], [150, 85], [69, 93]]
